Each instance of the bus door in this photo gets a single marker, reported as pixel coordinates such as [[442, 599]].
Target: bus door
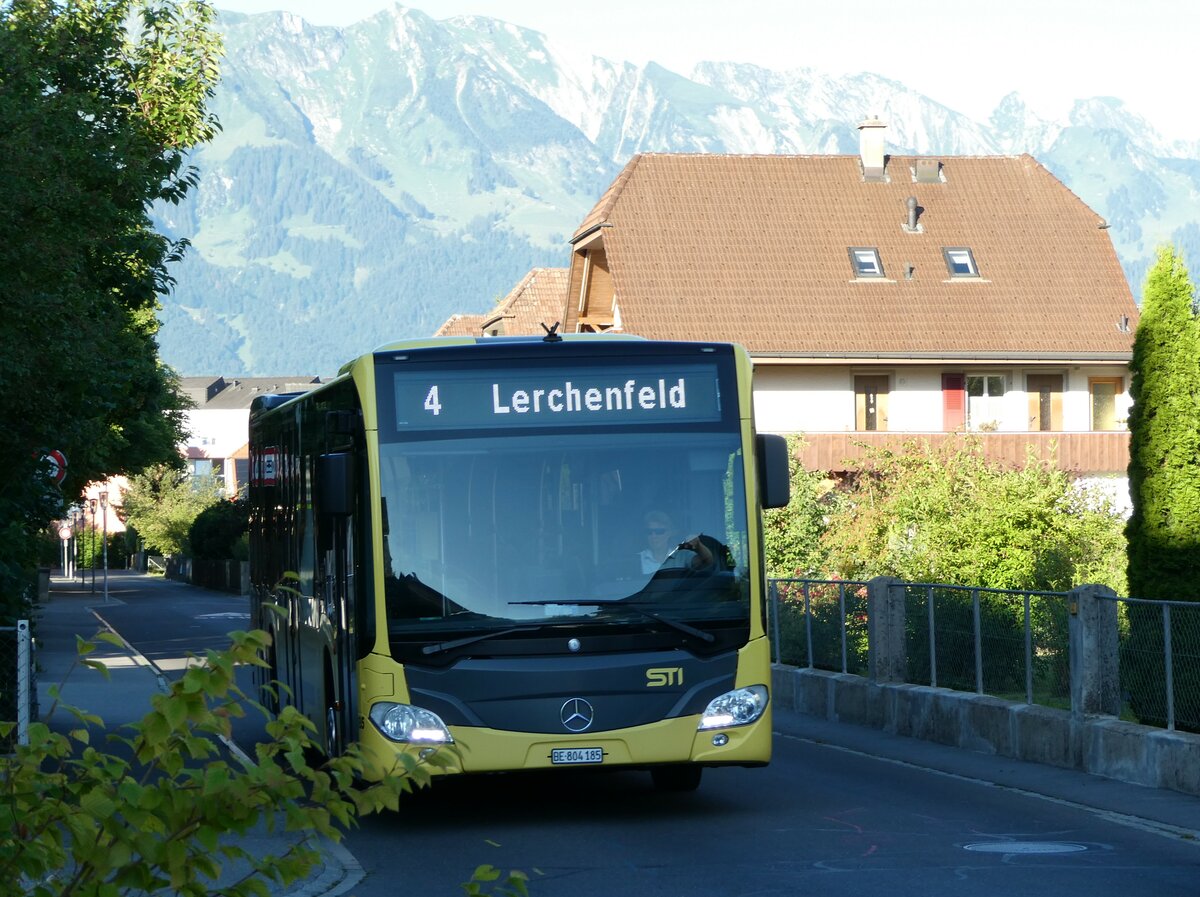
[[336, 500]]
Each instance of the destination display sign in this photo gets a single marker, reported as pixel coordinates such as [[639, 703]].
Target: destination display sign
[[557, 396]]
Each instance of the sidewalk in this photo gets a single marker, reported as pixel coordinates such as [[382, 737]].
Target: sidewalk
[[125, 696]]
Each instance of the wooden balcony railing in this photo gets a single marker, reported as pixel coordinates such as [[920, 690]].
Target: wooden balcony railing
[[1083, 453]]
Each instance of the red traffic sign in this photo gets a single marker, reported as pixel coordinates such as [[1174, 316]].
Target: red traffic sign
[[58, 465], [64, 532]]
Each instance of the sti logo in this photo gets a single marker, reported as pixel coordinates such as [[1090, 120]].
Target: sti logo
[[657, 677]]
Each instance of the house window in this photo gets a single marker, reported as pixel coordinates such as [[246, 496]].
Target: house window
[[1104, 392], [960, 262], [865, 261], [1045, 402], [985, 395], [204, 469], [870, 402], [241, 470]]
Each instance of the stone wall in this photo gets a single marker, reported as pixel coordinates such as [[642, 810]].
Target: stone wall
[[1088, 737]]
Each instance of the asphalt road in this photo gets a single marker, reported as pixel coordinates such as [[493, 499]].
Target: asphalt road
[[840, 810]]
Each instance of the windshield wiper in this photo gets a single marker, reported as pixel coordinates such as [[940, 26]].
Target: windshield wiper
[[677, 625], [472, 639]]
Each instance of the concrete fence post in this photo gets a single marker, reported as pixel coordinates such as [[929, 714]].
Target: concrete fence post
[[887, 652], [1094, 649]]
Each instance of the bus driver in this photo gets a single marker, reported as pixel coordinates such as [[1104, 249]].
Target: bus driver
[[662, 552]]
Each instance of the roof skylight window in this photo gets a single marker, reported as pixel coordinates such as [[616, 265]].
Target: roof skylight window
[[960, 262], [865, 261]]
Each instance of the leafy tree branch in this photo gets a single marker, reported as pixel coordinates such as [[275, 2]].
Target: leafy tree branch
[[158, 805]]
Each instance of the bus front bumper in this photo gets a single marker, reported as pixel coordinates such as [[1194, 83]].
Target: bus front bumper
[[478, 750]]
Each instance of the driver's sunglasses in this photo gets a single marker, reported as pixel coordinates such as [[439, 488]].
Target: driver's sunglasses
[[656, 530]]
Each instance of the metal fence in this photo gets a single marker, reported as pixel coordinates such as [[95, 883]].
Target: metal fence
[[1010, 644], [1160, 662], [1001, 642], [820, 624], [16, 683]]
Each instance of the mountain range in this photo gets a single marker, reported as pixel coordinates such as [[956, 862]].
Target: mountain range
[[369, 181]]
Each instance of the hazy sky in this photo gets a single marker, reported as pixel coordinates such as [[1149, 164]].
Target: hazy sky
[[965, 54]]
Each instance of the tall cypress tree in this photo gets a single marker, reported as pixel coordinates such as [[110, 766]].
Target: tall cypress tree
[[1164, 461], [1163, 532]]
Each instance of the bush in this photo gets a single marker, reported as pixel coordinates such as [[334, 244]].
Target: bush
[[217, 531], [792, 536], [163, 502], [90, 553], [949, 515]]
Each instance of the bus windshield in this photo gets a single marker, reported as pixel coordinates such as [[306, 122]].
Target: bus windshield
[[530, 542]]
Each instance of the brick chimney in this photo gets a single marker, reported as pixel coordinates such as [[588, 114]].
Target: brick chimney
[[870, 149]]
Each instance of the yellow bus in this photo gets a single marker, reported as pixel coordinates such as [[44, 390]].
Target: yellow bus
[[478, 530]]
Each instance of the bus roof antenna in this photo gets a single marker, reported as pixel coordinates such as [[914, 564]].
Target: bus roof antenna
[[552, 335]]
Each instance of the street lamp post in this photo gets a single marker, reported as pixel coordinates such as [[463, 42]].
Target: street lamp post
[[77, 544], [64, 538], [71, 550], [92, 559], [81, 541], [104, 541]]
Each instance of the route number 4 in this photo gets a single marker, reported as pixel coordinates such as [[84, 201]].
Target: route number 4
[[432, 402]]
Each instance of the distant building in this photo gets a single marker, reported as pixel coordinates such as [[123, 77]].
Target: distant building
[[536, 301], [218, 427]]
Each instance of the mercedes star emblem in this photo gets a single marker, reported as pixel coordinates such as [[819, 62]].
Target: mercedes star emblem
[[577, 715]]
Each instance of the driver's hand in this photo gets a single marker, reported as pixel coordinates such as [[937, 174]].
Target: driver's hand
[[694, 544]]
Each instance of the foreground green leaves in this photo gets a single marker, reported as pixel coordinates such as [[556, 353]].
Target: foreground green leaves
[[156, 805]]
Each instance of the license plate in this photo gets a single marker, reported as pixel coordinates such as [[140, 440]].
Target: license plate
[[577, 755]]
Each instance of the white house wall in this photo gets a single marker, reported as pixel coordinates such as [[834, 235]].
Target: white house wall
[[820, 399], [791, 399], [218, 432]]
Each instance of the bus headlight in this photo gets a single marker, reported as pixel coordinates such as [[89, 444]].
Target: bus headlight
[[739, 707], [409, 724]]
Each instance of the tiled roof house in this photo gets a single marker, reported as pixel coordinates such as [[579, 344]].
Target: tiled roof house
[[877, 294], [536, 300]]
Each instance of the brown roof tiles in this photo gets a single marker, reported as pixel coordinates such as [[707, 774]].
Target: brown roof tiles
[[539, 298], [754, 249]]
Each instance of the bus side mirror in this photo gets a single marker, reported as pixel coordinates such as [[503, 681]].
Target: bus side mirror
[[335, 483], [774, 480]]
